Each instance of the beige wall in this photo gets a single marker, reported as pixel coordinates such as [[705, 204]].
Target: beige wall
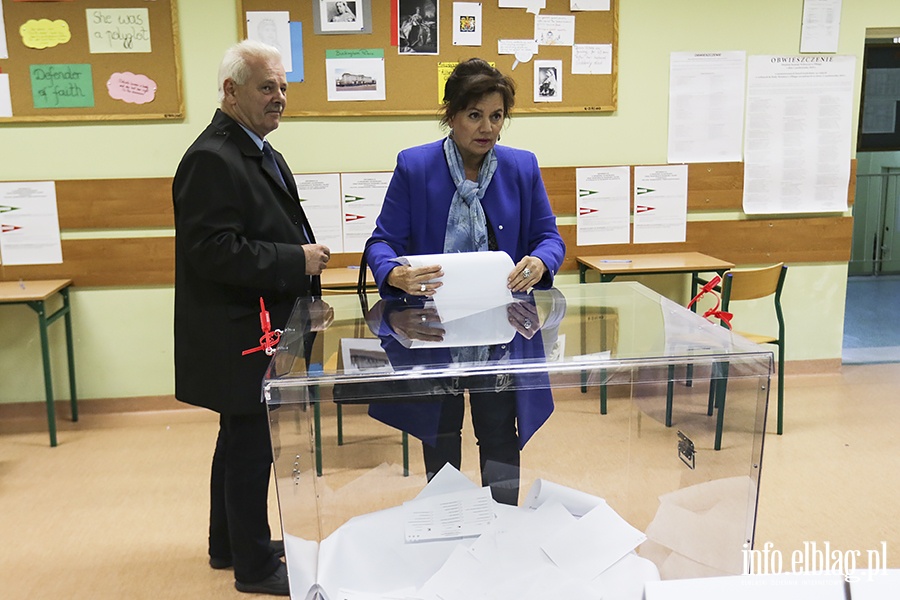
[[123, 345]]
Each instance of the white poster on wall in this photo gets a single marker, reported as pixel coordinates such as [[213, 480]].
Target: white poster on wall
[[320, 197], [797, 140], [604, 203], [29, 223], [660, 204], [362, 197], [706, 106]]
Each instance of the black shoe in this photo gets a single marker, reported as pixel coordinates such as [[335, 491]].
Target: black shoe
[[275, 584], [220, 563], [277, 547]]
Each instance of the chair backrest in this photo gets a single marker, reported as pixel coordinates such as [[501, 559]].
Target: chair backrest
[[750, 284]]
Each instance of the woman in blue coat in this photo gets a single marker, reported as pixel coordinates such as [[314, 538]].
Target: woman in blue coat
[[467, 194]]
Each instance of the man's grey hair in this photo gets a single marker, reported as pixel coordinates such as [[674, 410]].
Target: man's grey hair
[[236, 62]]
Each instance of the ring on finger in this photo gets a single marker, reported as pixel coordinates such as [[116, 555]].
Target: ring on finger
[[526, 273], [422, 288]]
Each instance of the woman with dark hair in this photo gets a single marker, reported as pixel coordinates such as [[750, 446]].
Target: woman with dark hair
[[467, 194]]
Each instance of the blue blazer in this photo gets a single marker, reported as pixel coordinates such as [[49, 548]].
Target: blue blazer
[[413, 219]]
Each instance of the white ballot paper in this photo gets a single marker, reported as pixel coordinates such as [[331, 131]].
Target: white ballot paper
[[369, 557], [594, 543], [472, 281], [472, 301], [455, 515], [578, 503]]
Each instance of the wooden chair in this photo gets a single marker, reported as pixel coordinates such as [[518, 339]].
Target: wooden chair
[[750, 284]]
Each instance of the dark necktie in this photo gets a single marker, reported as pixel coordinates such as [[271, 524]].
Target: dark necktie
[[269, 157]]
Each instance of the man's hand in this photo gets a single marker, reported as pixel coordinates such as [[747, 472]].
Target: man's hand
[[317, 256]]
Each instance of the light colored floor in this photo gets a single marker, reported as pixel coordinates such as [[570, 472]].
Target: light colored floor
[[118, 509]]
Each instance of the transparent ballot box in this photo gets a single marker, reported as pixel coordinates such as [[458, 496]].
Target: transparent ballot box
[[637, 426]]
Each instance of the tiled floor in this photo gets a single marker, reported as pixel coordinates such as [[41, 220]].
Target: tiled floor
[[871, 320]]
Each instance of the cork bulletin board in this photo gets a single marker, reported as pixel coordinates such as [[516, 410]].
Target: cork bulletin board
[[412, 80], [90, 60]]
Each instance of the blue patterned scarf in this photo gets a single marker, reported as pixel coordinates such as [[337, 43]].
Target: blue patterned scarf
[[466, 224]]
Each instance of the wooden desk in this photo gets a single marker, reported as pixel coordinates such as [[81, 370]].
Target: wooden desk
[[610, 267], [343, 279], [35, 294]]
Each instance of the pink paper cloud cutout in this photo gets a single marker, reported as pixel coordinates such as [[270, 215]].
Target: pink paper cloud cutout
[[128, 87]]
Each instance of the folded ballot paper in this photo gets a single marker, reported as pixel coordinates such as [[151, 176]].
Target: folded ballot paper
[[472, 299], [453, 542]]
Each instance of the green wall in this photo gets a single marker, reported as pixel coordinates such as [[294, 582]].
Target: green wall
[[123, 336]]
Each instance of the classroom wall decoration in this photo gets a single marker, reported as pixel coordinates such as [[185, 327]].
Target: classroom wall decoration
[[392, 57], [90, 60]]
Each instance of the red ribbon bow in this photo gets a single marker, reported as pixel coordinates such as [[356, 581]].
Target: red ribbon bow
[[269, 339], [709, 288]]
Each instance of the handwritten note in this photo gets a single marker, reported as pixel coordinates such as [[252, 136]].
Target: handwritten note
[[592, 59], [128, 87], [117, 30], [44, 33], [62, 86]]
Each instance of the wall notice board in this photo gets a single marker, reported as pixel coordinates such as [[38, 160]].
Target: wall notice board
[[411, 82], [90, 61]]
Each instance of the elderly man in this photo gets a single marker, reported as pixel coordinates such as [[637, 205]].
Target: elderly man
[[240, 235]]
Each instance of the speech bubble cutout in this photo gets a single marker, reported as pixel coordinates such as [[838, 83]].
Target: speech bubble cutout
[[44, 33], [128, 87], [522, 56]]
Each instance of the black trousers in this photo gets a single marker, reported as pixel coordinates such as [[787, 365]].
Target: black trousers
[[494, 422], [239, 492]]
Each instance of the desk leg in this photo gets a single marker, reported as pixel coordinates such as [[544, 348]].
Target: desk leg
[[70, 353], [38, 307]]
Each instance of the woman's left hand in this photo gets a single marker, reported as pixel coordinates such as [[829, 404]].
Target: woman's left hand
[[526, 274]]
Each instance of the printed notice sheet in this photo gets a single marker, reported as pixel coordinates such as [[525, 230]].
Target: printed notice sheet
[[706, 106], [604, 205], [798, 133], [29, 224], [821, 26], [660, 204], [320, 197], [363, 195]]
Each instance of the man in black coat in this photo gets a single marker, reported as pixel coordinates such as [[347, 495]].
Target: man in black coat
[[240, 234]]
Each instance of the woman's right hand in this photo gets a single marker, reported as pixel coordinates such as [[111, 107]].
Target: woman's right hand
[[416, 281]]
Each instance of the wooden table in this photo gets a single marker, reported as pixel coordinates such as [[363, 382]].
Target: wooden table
[[343, 279], [612, 266], [35, 294]]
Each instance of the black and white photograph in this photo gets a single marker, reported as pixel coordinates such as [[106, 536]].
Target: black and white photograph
[[548, 81], [341, 15], [417, 27]]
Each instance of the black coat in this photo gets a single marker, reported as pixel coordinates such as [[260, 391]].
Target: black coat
[[238, 237]]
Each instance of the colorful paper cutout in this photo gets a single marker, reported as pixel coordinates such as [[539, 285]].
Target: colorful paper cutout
[[62, 86], [128, 87], [44, 33]]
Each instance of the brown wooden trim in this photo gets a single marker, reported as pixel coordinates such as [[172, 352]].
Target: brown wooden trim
[[756, 241], [115, 203]]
